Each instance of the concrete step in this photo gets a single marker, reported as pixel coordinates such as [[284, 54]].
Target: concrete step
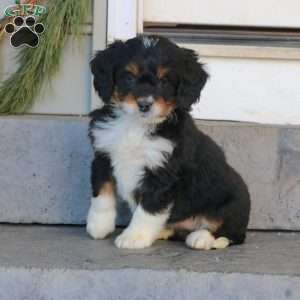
[[44, 169], [60, 262]]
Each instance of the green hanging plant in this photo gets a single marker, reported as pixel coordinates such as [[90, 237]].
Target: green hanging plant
[[2, 24], [38, 65]]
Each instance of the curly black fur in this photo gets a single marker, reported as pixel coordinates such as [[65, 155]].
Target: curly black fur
[[196, 180]]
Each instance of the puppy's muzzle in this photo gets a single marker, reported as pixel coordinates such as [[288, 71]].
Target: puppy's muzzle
[[145, 104]]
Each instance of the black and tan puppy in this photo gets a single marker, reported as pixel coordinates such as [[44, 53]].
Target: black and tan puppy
[[149, 152]]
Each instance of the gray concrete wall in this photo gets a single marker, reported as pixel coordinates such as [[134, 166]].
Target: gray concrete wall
[[269, 160], [44, 169]]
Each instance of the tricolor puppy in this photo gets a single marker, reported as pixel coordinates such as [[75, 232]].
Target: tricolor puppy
[[149, 152]]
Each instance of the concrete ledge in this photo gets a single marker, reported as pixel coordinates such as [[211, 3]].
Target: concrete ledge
[[44, 284], [63, 263], [44, 170], [268, 157]]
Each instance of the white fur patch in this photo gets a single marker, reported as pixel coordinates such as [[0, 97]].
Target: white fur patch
[[149, 42], [143, 229], [101, 216], [202, 239], [131, 148]]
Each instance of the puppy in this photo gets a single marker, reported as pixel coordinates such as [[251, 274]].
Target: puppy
[[149, 152]]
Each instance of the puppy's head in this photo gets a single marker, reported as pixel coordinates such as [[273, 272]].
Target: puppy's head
[[148, 77]]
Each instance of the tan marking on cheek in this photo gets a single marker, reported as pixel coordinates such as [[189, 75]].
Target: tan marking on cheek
[[162, 71], [165, 107], [133, 68], [107, 189], [116, 96], [130, 100]]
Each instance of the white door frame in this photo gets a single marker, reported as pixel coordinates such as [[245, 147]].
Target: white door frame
[[123, 19], [266, 13]]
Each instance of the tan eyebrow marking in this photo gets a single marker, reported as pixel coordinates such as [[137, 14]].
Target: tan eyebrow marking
[[162, 71], [133, 68]]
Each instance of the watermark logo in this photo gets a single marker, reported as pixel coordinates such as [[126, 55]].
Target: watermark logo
[[25, 9], [24, 30]]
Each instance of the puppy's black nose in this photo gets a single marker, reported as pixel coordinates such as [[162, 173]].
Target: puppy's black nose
[[144, 106]]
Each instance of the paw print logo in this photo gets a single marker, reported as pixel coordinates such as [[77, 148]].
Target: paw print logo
[[24, 31]]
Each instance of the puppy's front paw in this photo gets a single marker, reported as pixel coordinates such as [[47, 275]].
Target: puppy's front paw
[[100, 222], [133, 240], [99, 226]]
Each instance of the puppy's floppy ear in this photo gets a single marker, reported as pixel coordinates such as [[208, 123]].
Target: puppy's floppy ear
[[103, 66], [192, 81]]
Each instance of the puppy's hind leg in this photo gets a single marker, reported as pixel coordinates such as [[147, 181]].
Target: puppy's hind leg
[[203, 239]]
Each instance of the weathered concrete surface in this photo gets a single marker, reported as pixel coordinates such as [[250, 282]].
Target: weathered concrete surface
[[39, 262], [269, 160], [44, 169]]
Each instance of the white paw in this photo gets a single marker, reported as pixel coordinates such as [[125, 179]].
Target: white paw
[[133, 240], [200, 239], [100, 225]]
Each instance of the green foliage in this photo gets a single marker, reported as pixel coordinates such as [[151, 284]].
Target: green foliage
[[37, 66]]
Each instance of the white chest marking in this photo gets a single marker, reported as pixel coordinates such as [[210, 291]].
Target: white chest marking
[[128, 142]]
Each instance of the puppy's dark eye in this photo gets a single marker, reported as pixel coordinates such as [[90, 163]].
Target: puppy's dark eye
[[164, 80], [129, 78]]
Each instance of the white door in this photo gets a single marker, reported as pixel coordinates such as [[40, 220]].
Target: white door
[[251, 80], [266, 13], [251, 49]]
